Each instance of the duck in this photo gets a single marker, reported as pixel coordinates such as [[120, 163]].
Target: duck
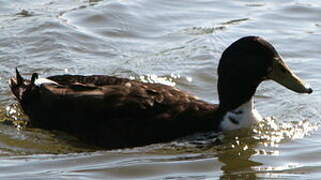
[[114, 112]]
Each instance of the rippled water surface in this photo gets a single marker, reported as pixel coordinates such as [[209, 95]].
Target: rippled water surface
[[173, 42]]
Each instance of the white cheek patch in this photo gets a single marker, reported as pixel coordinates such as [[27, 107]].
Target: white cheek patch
[[242, 117], [40, 81]]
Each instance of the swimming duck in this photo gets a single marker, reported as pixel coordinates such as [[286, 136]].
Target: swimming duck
[[115, 112]]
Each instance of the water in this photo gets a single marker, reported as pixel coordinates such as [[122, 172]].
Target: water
[[173, 42]]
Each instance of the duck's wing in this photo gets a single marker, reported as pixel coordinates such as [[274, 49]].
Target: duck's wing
[[124, 94]]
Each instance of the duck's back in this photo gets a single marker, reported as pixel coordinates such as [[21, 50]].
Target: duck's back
[[118, 112]]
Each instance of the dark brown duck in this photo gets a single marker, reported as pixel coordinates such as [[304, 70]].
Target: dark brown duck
[[117, 112]]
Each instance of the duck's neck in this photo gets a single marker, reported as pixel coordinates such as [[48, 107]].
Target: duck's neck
[[243, 116]]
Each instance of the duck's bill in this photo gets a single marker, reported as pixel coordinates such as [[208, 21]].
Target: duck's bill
[[282, 74]]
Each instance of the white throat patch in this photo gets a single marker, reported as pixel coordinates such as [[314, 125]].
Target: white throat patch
[[243, 116]]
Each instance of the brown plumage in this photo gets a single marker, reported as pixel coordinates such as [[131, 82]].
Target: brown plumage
[[116, 112]]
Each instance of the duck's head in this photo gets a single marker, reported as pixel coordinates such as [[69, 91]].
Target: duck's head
[[245, 64]]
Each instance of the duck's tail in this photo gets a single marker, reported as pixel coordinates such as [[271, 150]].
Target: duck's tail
[[21, 87]]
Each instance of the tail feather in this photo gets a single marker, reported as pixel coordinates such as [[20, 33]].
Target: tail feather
[[18, 86], [19, 78], [34, 77]]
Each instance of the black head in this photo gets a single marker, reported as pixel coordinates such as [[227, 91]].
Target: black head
[[245, 64]]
